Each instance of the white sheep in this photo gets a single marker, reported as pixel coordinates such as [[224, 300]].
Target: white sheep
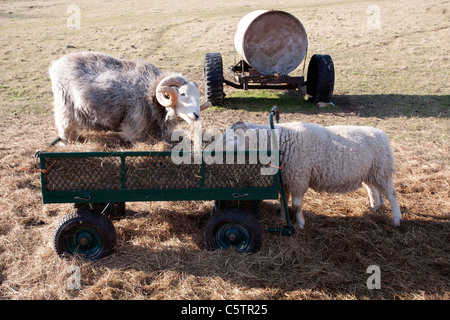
[[335, 159]]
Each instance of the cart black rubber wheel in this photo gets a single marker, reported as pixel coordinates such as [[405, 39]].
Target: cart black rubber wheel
[[85, 233], [233, 228], [213, 73], [320, 78]]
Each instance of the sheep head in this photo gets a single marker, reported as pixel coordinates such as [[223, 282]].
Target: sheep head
[[182, 95], [247, 136]]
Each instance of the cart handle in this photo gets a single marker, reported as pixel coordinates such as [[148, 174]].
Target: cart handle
[[288, 230], [239, 195], [274, 112]]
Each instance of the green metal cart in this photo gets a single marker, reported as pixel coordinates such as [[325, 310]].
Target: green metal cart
[[100, 183]]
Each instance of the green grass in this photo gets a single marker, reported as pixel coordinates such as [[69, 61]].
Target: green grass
[[263, 100]]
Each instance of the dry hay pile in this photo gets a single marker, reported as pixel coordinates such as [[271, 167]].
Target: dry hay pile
[[160, 252]]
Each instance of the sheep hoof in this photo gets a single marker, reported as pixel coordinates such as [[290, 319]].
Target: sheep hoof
[[324, 104], [300, 224]]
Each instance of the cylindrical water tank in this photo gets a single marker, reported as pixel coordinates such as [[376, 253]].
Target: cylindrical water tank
[[272, 42]]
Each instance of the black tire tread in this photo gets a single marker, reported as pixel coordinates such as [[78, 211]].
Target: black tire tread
[[320, 78], [213, 72], [98, 221], [233, 215]]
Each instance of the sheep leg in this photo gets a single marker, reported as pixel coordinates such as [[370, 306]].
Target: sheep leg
[[297, 206], [375, 198], [381, 200], [65, 124], [390, 193], [282, 215], [73, 134], [68, 134]]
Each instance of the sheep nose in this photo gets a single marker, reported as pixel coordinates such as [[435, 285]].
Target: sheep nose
[[196, 116]]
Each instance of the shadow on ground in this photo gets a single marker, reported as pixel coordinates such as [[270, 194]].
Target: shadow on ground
[[381, 105]]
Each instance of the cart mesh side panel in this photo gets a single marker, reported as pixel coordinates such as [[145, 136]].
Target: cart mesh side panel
[[149, 176], [236, 176], [159, 172], [83, 173]]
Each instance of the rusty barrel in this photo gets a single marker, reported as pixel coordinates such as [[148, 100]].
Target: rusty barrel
[[272, 42]]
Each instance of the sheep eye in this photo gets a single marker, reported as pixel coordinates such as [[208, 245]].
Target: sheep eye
[[182, 94]]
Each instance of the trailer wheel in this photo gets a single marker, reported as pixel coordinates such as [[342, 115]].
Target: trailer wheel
[[213, 73], [233, 228], [320, 78], [85, 233]]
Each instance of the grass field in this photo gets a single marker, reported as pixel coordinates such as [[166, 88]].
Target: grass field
[[391, 73]]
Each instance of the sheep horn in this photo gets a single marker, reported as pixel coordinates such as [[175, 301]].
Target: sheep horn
[[207, 104], [173, 81], [166, 95]]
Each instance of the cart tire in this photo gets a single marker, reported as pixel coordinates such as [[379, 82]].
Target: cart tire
[[213, 73], [320, 78], [85, 233], [233, 228]]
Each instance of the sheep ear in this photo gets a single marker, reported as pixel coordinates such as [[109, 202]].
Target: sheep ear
[[167, 96], [238, 125]]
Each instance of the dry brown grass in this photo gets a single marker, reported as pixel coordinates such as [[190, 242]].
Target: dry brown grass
[[160, 252]]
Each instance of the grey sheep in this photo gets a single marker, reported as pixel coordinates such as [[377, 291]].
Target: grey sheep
[[99, 92]]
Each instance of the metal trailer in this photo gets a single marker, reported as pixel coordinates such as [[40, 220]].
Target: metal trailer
[[271, 44], [100, 183]]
